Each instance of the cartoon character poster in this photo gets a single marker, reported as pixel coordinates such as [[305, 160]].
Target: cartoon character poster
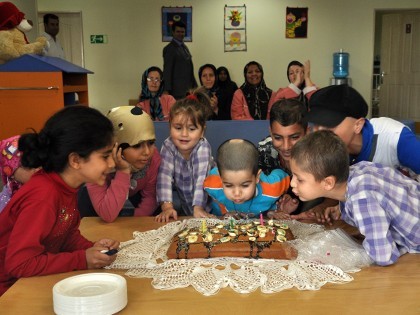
[[296, 22], [173, 14], [235, 28]]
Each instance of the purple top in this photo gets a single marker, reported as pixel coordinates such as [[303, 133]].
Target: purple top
[[385, 206], [187, 176]]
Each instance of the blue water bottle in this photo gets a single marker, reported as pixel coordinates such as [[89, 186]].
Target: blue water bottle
[[340, 64]]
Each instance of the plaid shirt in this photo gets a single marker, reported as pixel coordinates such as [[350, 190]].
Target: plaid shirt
[[385, 206], [186, 175]]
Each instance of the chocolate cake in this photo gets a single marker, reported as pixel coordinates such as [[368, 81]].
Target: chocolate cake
[[249, 240]]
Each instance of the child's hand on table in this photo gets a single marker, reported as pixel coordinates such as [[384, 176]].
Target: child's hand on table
[[95, 258], [167, 213], [199, 212]]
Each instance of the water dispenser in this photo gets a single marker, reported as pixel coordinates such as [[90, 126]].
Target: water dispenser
[[340, 68]]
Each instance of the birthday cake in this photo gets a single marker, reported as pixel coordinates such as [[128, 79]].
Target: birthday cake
[[248, 240]]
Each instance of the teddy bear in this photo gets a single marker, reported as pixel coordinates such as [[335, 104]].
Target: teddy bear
[[13, 42]]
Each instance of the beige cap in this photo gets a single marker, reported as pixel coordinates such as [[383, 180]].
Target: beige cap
[[132, 125]]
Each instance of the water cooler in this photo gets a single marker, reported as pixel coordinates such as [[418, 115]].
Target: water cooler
[[340, 68]]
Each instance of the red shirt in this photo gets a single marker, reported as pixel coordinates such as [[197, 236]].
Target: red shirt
[[39, 232]]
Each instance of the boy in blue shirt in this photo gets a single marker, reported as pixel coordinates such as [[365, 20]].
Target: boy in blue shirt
[[342, 109], [238, 186]]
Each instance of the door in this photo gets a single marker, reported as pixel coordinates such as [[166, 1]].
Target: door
[[70, 34], [400, 64]]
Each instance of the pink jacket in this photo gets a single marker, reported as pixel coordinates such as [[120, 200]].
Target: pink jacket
[[239, 109], [166, 101], [290, 91], [108, 200]]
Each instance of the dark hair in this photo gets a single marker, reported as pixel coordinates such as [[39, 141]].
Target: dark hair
[[237, 155], [195, 106], [222, 68], [74, 129], [288, 112], [322, 154], [212, 67], [178, 24], [49, 16]]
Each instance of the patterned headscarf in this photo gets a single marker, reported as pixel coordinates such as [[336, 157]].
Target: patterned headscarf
[[155, 106], [257, 97]]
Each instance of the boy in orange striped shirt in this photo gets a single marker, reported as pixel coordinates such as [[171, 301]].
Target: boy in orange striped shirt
[[238, 187]]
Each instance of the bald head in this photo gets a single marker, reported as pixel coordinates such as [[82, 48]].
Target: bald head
[[237, 155]]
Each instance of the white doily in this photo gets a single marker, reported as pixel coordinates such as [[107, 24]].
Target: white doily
[[323, 256]]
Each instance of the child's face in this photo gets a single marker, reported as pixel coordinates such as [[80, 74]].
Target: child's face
[[96, 167], [140, 154], [184, 134], [304, 184], [284, 138], [348, 130], [239, 186]]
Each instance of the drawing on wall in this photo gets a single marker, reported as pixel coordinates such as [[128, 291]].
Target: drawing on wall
[[174, 14], [235, 28], [296, 22]]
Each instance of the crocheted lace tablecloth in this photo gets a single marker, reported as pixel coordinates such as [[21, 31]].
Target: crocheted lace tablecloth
[[323, 256]]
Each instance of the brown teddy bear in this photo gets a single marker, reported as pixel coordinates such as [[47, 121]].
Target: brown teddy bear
[[13, 42]]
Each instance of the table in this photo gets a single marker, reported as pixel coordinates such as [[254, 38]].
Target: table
[[374, 290]]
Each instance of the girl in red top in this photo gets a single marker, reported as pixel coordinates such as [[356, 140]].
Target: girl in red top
[[39, 232]]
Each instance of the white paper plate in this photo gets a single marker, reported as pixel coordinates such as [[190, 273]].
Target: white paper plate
[[94, 293]]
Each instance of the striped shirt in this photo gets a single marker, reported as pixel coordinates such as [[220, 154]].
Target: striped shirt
[[385, 206], [186, 176]]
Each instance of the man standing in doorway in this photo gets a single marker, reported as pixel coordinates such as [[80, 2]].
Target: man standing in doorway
[[51, 26], [178, 69]]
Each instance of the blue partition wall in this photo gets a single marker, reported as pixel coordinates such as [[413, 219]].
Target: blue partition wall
[[217, 131]]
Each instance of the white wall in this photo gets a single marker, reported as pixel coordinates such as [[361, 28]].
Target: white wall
[[134, 33]]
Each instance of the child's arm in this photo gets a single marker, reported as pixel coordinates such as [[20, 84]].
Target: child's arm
[[201, 163], [109, 199], [95, 256], [164, 186]]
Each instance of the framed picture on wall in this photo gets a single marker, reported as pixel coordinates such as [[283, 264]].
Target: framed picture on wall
[[175, 14]]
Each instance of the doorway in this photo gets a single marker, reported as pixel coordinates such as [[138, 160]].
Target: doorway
[[396, 72], [70, 35]]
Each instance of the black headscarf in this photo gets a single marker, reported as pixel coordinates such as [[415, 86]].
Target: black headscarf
[[257, 96]]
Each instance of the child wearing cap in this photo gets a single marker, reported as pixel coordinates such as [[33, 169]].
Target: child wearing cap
[[342, 109], [238, 187], [13, 175], [381, 202], [137, 162]]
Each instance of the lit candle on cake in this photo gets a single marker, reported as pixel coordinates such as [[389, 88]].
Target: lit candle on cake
[[204, 226], [261, 219]]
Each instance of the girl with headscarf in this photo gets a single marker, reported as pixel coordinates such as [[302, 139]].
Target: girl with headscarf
[[152, 100], [227, 88], [250, 101], [300, 84]]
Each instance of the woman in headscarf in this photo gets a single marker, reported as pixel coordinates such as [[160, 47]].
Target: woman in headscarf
[[152, 100], [250, 101], [227, 88], [301, 86], [208, 80]]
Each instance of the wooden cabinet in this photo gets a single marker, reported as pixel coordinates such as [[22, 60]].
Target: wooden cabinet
[[32, 88]]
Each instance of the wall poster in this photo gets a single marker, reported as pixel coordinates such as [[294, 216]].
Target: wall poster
[[235, 28], [296, 22], [173, 14]]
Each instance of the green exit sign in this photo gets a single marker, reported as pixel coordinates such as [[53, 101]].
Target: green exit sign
[[98, 39]]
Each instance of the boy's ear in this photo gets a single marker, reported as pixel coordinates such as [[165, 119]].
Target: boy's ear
[[329, 183], [359, 125], [74, 160], [258, 176]]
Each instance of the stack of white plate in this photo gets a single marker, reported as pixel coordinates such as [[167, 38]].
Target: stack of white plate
[[92, 293]]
